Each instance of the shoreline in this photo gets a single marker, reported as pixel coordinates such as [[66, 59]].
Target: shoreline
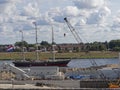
[[69, 55]]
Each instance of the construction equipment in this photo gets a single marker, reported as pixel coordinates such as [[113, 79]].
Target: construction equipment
[[115, 84], [79, 40], [73, 31]]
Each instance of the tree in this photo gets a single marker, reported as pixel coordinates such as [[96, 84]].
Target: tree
[[102, 47], [116, 48], [45, 43], [21, 44], [114, 44]]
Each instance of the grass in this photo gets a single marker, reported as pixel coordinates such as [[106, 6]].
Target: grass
[[47, 55]]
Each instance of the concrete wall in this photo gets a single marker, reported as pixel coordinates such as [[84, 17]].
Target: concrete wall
[[41, 72]]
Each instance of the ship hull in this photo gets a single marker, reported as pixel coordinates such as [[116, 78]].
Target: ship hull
[[59, 63]]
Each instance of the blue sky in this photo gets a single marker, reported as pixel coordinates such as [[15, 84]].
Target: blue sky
[[94, 20]]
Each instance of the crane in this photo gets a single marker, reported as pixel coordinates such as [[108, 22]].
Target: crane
[[73, 31], [79, 40]]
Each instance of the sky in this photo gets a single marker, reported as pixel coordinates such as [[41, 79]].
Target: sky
[[93, 20]]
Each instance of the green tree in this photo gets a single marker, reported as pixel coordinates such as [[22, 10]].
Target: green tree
[[116, 48], [114, 44], [21, 44], [45, 43], [102, 47]]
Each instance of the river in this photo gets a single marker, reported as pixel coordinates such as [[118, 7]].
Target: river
[[82, 63]]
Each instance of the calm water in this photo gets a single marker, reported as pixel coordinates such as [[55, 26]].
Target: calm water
[[82, 63]]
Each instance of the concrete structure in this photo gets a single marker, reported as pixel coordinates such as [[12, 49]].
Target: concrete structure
[[45, 73], [10, 70]]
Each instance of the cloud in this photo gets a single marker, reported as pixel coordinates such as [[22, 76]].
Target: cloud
[[88, 4], [7, 3], [31, 9], [99, 16], [116, 22], [4, 1], [93, 12], [71, 11], [58, 14], [18, 15]]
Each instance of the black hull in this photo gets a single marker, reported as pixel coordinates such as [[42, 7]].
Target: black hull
[[59, 63]]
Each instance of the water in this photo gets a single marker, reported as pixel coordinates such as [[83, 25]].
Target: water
[[6, 61], [81, 63]]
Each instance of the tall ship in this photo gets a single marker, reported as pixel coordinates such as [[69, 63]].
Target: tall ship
[[59, 63], [37, 62]]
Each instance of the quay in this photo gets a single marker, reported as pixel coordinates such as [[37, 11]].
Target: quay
[[54, 84], [36, 78]]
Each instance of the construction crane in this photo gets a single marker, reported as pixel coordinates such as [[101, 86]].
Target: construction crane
[[73, 31], [79, 40]]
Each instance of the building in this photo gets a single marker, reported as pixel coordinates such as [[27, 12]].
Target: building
[[72, 47]]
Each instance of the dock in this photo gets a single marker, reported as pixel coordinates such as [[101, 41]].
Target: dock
[[55, 84], [30, 79]]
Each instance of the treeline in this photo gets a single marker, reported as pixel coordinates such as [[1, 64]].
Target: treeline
[[113, 45], [31, 47]]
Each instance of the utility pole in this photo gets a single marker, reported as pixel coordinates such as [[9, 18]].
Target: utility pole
[[23, 51], [53, 49], [37, 57]]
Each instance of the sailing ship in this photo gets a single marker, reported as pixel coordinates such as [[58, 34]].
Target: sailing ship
[[60, 63], [26, 63]]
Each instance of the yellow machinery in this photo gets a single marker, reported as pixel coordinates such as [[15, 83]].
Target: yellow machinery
[[115, 85]]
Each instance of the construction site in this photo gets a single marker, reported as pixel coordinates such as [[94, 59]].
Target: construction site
[[55, 77], [52, 74]]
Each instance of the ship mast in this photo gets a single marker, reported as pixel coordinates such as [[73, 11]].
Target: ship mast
[[37, 57], [23, 52], [53, 49]]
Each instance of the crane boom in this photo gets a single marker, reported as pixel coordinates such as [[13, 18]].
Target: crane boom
[[73, 31]]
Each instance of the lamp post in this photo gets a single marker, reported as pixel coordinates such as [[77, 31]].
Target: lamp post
[[23, 53], [37, 57]]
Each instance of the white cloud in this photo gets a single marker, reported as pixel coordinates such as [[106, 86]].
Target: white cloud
[[7, 3], [32, 10], [82, 16], [19, 14], [88, 4], [116, 22], [71, 11], [99, 17]]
